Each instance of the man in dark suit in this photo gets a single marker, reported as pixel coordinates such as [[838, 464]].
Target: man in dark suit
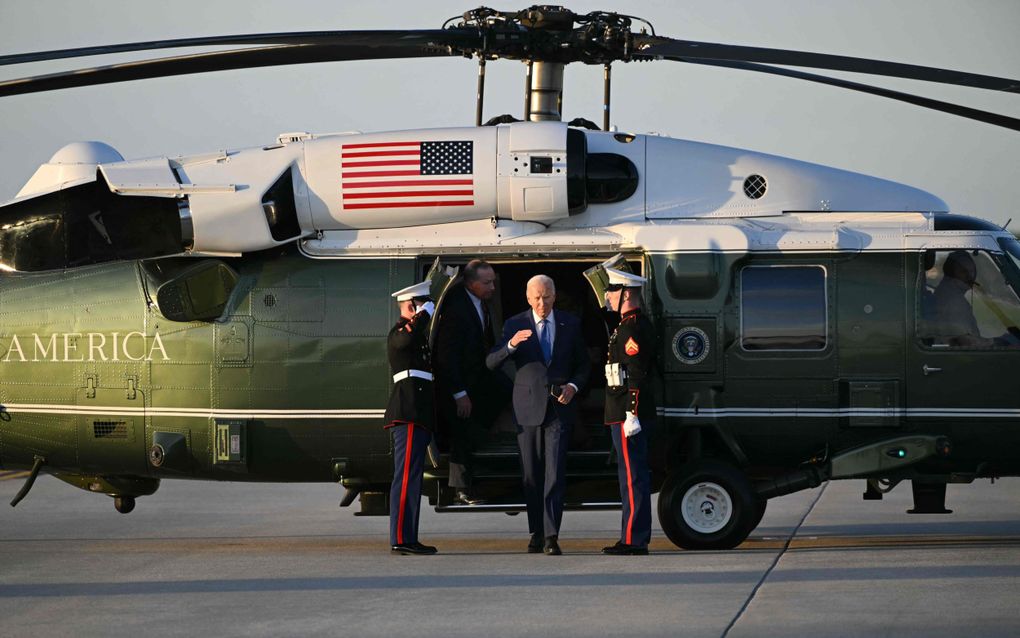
[[468, 394], [552, 365]]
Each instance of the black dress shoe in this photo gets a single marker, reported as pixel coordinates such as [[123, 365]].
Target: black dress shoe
[[535, 544], [623, 549], [464, 497], [552, 548], [413, 548]]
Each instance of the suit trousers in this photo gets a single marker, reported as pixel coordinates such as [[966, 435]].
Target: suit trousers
[[410, 442], [467, 435], [632, 468], [543, 458]]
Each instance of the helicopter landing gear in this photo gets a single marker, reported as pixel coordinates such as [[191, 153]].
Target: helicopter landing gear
[[124, 504], [709, 505], [761, 504]]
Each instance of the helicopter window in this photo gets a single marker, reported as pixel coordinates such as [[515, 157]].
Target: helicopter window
[[783, 308], [693, 275], [968, 301]]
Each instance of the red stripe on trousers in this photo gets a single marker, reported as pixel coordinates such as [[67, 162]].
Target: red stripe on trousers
[[403, 487], [630, 487]]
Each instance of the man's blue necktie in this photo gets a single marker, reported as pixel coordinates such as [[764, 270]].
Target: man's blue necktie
[[543, 339]]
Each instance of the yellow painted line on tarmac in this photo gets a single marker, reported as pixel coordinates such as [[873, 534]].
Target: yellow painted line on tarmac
[[804, 542], [9, 475], [902, 541]]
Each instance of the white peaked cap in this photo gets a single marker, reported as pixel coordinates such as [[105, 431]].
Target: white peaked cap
[[417, 290], [620, 278]]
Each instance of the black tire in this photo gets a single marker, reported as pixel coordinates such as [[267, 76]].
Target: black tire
[[722, 506], [761, 504], [124, 504]]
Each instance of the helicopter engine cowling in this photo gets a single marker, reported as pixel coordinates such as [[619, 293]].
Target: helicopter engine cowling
[[233, 202], [434, 176]]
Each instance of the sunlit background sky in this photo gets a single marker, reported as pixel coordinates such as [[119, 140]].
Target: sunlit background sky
[[974, 167]]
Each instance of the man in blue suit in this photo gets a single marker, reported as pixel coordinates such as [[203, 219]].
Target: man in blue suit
[[552, 365]]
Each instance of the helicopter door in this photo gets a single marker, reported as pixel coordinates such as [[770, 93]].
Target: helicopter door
[[964, 358], [599, 280], [441, 278]]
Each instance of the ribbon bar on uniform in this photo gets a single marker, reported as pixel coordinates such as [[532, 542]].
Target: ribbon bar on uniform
[[405, 374]]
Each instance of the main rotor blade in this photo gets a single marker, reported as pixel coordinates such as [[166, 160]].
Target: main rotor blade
[[417, 46], [349, 38], [697, 51], [946, 107]]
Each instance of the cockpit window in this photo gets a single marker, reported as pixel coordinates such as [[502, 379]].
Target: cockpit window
[[968, 301]]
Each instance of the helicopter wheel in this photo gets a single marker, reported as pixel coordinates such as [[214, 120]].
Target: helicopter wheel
[[124, 504], [710, 505], [761, 504]]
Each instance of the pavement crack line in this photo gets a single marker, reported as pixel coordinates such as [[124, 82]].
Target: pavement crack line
[[775, 561]]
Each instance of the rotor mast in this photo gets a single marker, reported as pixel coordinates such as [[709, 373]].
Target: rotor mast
[[545, 93], [547, 38]]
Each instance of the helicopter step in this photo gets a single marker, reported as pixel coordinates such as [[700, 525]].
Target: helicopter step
[[505, 464], [515, 508]]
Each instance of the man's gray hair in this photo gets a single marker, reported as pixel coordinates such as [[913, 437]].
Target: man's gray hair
[[545, 280]]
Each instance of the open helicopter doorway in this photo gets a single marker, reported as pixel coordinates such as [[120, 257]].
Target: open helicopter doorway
[[590, 442], [573, 295]]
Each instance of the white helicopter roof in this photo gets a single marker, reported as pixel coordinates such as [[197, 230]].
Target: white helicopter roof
[[508, 189]]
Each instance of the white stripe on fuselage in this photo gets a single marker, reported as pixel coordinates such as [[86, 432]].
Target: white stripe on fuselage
[[697, 413], [758, 412], [42, 408]]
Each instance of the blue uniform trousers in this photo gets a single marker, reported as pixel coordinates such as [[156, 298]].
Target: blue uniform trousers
[[543, 457], [632, 467], [410, 443]]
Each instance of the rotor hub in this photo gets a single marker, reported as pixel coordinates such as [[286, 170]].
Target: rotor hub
[[549, 33]]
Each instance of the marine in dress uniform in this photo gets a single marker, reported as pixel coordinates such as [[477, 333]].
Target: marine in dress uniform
[[629, 404], [410, 415]]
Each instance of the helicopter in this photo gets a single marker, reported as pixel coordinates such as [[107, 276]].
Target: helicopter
[[222, 316]]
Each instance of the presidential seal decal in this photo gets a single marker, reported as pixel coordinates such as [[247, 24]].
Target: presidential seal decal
[[690, 345]]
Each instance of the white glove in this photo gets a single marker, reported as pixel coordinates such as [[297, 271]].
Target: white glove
[[428, 307], [631, 425]]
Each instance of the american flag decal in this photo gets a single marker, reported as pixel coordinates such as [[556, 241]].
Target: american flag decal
[[406, 175]]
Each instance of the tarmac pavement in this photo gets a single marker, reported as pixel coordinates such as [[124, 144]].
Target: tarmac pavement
[[231, 559]]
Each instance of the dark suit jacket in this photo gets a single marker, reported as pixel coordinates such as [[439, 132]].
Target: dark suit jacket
[[459, 357], [570, 364]]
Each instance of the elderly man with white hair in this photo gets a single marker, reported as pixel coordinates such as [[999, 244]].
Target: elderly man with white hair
[[552, 366]]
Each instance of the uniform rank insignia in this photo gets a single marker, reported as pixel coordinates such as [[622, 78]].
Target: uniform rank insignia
[[631, 347]]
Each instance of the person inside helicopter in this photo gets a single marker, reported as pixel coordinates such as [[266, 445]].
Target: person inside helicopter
[[963, 283]]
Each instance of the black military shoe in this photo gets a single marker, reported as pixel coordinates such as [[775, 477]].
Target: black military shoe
[[464, 497], [413, 548], [552, 548], [535, 544], [623, 549]]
